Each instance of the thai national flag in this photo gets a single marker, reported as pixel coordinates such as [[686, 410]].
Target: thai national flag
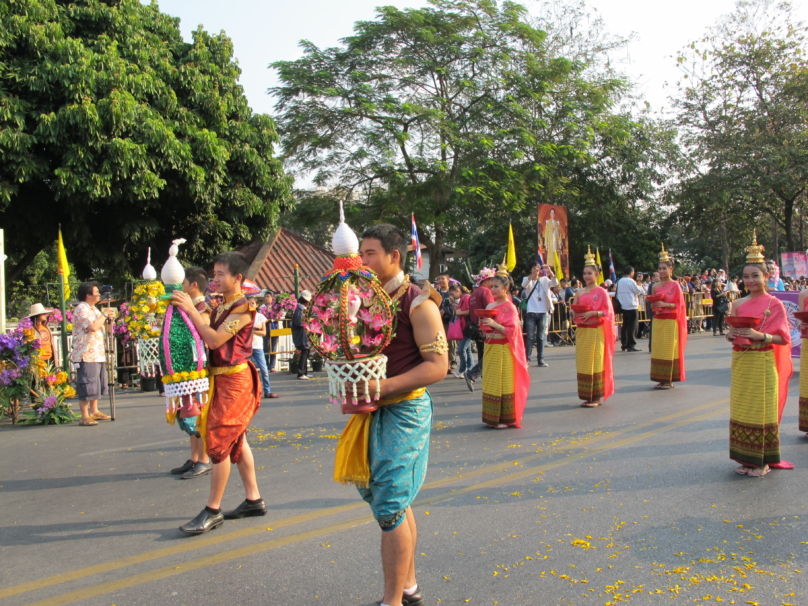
[[539, 258], [612, 273], [416, 244]]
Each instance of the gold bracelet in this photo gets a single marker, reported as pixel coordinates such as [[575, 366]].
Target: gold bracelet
[[231, 327], [767, 338], [439, 346]]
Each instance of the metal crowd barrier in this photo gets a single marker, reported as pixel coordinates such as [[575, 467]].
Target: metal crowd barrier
[[699, 308]]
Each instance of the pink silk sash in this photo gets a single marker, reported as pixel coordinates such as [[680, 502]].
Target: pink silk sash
[[598, 299], [508, 316], [775, 324], [673, 294]]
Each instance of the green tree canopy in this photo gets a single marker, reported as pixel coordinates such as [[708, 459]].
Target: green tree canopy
[[469, 114], [113, 126], [742, 113]]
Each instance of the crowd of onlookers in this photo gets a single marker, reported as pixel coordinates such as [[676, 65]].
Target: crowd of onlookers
[[543, 298]]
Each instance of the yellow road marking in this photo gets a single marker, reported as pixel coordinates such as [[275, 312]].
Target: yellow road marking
[[212, 539], [161, 573]]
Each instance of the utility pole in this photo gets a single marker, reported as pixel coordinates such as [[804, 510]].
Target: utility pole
[[2, 282]]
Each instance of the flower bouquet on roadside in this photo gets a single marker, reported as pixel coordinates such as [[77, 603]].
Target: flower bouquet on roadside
[[19, 352], [49, 400], [349, 322]]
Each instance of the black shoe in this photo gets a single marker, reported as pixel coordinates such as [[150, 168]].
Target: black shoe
[[199, 469], [189, 464], [204, 522], [542, 365], [416, 599], [633, 349], [469, 381], [246, 509]]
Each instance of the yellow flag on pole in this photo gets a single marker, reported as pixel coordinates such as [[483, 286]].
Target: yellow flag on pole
[[600, 264], [64, 269], [511, 262], [557, 267]]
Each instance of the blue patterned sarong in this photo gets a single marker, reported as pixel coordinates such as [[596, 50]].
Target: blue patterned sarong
[[187, 424], [398, 451]]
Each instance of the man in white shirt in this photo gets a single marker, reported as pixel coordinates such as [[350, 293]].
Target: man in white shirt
[[730, 286], [539, 307], [258, 357], [627, 294]]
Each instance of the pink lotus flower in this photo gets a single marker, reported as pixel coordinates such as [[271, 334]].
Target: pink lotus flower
[[374, 321], [329, 343], [324, 314], [366, 293], [324, 300], [313, 326], [372, 342]]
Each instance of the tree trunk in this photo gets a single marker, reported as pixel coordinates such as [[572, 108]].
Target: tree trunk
[[724, 244], [775, 247], [16, 272], [788, 211], [436, 252]]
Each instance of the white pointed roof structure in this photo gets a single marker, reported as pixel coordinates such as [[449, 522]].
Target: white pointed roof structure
[[149, 273], [344, 242], [173, 272]]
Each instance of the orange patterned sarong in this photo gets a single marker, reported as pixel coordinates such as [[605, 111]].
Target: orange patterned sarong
[[236, 398]]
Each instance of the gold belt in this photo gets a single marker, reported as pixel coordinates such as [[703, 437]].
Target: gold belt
[[395, 399], [227, 370]]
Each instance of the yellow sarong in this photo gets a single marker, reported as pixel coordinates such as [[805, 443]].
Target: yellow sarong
[[754, 431], [499, 385], [665, 351], [351, 462], [804, 387], [590, 349]]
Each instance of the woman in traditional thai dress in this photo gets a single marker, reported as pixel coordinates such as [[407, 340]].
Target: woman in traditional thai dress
[[506, 381], [760, 374], [669, 328], [803, 417], [594, 339]]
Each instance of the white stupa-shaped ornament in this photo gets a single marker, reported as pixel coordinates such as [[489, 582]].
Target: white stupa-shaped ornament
[[149, 273], [173, 273], [344, 242]]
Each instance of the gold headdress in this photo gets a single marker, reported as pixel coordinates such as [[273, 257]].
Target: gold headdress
[[589, 258], [663, 256], [502, 270], [755, 252]]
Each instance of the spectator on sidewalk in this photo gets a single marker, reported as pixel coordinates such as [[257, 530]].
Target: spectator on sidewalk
[[88, 355], [628, 294], [260, 324], [536, 287], [299, 336]]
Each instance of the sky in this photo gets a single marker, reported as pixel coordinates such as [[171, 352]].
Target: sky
[[263, 32]]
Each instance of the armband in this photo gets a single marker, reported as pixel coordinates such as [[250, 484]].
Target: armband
[[231, 327], [439, 346]]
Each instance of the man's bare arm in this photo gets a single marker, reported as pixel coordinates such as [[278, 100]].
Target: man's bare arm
[[426, 324]]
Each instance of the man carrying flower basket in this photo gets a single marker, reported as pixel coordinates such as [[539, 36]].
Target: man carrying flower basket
[[236, 391], [398, 445]]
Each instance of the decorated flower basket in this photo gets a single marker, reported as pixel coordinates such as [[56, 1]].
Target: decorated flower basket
[[182, 351], [349, 322]]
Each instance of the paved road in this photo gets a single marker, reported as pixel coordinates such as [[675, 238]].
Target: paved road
[[635, 502]]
